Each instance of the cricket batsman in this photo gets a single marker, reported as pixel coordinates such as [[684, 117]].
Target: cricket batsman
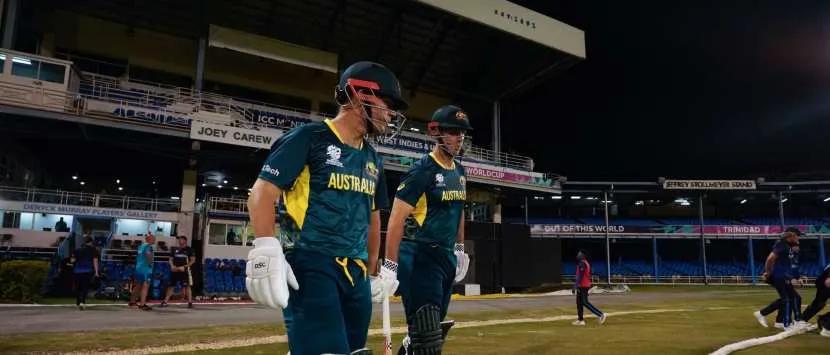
[[429, 205], [332, 185]]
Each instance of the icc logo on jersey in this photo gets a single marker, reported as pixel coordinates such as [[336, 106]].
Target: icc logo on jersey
[[461, 180], [439, 179], [334, 156]]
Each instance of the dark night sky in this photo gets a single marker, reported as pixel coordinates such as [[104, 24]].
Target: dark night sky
[[703, 90]]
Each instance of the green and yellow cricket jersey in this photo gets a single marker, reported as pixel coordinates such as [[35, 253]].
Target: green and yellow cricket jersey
[[438, 193], [329, 190]]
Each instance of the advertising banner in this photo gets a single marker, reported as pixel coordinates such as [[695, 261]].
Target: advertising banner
[[589, 229], [138, 113]]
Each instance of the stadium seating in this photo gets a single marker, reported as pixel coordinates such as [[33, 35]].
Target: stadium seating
[[682, 268], [225, 277], [695, 221], [774, 221]]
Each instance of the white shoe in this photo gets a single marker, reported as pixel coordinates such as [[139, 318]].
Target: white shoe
[[602, 318], [761, 319], [801, 324], [578, 322], [779, 325], [824, 333], [82, 306]]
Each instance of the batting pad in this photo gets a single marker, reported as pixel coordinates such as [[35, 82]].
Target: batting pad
[[741, 345]]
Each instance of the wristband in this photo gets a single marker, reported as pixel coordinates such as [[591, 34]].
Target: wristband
[[266, 242], [390, 265]]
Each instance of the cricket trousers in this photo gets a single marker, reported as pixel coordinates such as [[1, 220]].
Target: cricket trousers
[[822, 294], [83, 281], [582, 301], [426, 272], [331, 311], [788, 303]]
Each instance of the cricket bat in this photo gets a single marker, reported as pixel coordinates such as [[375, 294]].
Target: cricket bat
[[387, 327]]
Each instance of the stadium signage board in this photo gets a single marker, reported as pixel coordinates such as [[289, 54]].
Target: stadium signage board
[[709, 185], [137, 113], [278, 118], [49, 208], [482, 173], [261, 138], [588, 229]]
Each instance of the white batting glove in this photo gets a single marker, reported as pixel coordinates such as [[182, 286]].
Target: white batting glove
[[385, 284], [463, 262], [268, 274]]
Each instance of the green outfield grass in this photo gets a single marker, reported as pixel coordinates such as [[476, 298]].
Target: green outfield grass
[[649, 334], [698, 331]]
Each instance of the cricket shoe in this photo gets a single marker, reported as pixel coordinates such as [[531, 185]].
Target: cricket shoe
[[578, 322], [761, 319], [824, 333], [602, 318], [779, 325]]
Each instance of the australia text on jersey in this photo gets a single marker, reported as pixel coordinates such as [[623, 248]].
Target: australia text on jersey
[[454, 195], [340, 181]]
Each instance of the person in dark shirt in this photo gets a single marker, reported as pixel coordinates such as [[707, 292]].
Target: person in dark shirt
[[60, 226], [85, 259], [781, 271], [822, 294], [181, 259]]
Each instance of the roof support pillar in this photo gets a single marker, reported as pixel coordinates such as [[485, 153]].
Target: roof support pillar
[[497, 128]]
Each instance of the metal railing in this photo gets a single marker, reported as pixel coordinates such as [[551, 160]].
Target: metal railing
[[175, 107], [62, 197], [227, 204], [239, 111], [506, 160], [36, 97]]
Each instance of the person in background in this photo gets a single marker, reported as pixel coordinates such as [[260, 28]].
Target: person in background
[[143, 272], [60, 226], [581, 287], [781, 272], [182, 258], [85, 260], [822, 294]]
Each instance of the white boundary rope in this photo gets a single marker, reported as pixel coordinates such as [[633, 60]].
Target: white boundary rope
[[748, 343]]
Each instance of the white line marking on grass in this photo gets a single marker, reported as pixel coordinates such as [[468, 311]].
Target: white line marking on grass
[[276, 339]]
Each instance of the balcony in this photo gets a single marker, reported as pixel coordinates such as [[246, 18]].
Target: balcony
[[71, 198], [174, 107]]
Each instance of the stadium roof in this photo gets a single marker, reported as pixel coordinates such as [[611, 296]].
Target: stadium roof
[[431, 50]]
